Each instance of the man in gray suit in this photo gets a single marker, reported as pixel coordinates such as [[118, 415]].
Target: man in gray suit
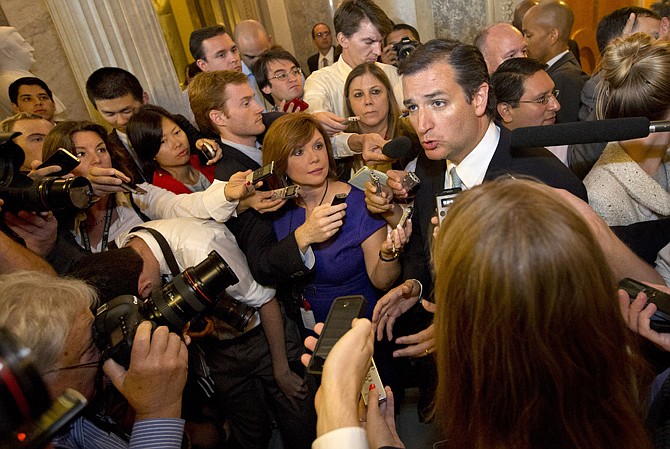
[[546, 27]]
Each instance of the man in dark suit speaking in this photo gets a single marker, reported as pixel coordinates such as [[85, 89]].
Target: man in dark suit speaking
[[327, 54], [447, 94]]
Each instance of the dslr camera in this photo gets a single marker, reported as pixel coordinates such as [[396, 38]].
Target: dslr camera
[[20, 192], [405, 47], [194, 292]]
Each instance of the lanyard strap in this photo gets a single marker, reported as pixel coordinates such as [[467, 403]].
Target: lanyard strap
[[105, 232]]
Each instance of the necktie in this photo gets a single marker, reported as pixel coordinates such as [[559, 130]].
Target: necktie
[[324, 62], [455, 179]]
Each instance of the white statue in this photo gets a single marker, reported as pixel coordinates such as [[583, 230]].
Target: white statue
[[16, 59]]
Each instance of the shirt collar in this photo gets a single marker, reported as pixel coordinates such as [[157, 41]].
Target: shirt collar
[[254, 152], [473, 168], [553, 60]]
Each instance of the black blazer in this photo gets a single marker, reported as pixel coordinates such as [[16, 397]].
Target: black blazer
[[313, 61], [271, 262], [535, 162], [569, 78]]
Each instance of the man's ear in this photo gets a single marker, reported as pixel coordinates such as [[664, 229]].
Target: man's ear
[[144, 286], [15, 108], [505, 112], [145, 98], [218, 118], [664, 30], [553, 36], [202, 64], [342, 40], [480, 99], [267, 90]]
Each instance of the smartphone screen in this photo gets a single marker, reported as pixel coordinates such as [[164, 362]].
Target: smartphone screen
[[64, 159], [342, 312]]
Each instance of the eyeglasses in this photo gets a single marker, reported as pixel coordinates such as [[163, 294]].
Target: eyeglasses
[[543, 99], [295, 71], [323, 33], [81, 365]]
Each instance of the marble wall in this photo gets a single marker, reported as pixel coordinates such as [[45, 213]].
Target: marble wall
[[33, 21]]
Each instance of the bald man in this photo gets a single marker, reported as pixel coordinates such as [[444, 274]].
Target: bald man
[[252, 39], [547, 27], [500, 42]]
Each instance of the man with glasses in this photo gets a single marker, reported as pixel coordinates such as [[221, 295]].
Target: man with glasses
[[526, 96], [280, 78], [323, 41]]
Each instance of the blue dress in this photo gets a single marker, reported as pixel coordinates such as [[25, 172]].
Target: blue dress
[[340, 265]]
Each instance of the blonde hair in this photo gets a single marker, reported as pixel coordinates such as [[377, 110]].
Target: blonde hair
[[8, 124], [636, 79], [531, 349], [40, 310]]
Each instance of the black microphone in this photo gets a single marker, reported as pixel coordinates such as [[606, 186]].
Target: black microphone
[[398, 148], [610, 130]]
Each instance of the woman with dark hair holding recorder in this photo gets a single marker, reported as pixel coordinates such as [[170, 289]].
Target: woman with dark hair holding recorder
[[165, 152]]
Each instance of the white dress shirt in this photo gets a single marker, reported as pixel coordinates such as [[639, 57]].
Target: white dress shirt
[[473, 168]]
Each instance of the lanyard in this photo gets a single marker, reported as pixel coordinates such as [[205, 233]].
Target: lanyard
[[105, 231]]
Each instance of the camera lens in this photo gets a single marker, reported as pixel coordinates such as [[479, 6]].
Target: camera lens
[[57, 193], [236, 314], [188, 294]]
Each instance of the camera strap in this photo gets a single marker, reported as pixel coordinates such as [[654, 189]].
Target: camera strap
[[165, 248], [198, 369]]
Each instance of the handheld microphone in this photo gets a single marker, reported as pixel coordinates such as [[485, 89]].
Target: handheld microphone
[[398, 148], [610, 130]]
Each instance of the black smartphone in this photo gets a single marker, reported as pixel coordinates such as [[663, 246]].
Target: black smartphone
[[339, 199], [343, 310], [261, 173], [64, 159], [444, 200], [660, 322]]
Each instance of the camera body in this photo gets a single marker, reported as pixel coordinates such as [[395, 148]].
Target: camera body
[[405, 47], [19, 192], [197, 290]]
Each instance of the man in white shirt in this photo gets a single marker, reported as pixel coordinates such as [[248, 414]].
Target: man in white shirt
[[360, 27]]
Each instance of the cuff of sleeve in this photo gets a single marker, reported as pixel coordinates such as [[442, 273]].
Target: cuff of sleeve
[[341, 148], [420, 288], [308, 258], [166, 433], [216, 203], [349, 437]]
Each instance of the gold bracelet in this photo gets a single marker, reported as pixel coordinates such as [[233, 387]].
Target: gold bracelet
[[395, 255]]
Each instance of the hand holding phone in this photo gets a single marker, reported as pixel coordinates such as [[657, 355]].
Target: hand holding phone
[[62, 158], [660, 322]]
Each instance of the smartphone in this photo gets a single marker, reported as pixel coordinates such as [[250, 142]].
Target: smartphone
[[374, 179], [132, 188], [406, 215], [208, 150], [286, 192], [373, 378], [339, 199], [261, 173], [660, 322], [343, 310], [410, 180], [299, 105], [64, 159], [444, 200]]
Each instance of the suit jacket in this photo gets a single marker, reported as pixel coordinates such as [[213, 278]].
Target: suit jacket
[[535, 162], [569, 78], [122, 160], [313, 61], [271, 262]]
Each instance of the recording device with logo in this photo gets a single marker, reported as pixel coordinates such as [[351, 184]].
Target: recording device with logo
[[285, 192], [261, 173], [28, 418], [405, 47], [373, 378], [20, 192], [64, 159], [339, 199], [410, 180], [342, 312], [444, 201], [374, 179], [198, 290], [660, 322]]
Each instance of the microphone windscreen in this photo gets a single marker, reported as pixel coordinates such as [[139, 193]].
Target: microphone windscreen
[[610, 130], [398, 148]]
